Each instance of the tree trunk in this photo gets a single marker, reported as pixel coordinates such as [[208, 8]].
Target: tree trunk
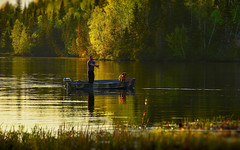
[[236, 32], [183, 53], [210, 39], [204, 35], [191, 15], [233, 27], [230, 34]]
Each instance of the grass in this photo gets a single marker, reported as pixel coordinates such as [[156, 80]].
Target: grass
[[195, 135]]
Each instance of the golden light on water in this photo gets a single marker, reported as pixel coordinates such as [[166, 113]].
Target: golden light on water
[[29, 97], [32, 93]]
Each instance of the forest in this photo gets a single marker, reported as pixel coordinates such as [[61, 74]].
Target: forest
[[162, 30]]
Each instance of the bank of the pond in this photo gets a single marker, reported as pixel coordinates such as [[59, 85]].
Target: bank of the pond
[[208, 134], [7, 54], [163, 60], [118, 139]]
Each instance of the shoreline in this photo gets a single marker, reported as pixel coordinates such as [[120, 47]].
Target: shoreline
[[133, 60]]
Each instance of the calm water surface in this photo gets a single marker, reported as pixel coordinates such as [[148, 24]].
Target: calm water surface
[[32, 93]]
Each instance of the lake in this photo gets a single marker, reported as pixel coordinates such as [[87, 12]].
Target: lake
[[32, 93]]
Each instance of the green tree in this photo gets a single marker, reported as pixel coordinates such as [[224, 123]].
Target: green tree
[[97, 26], [216, 18], [138, 34], [87, 5], [81, 41], [44, 43], [16, 36], [5, 40], [177, 41], [18, 10], [61, 10], [20, 39], [107, 26], [25, 42], [235, 13], [68, 30]]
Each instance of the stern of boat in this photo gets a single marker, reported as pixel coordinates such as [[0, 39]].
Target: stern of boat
[[132, 83]]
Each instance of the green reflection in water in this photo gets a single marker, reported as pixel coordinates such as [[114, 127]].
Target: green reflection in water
[[32, 92]]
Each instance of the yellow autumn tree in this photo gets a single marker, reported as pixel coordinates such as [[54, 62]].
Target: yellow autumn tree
[[20, 39], [107, 26]]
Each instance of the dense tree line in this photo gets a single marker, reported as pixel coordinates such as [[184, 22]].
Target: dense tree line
[[123, 29]]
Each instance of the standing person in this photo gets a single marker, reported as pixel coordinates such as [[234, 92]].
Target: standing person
[[91, 65]]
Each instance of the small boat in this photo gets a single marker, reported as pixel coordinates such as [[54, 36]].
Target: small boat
[[98, 84]]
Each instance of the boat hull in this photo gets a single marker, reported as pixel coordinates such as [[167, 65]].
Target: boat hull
[[98, 84]]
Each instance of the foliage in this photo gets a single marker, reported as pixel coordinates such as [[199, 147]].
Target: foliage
[[5, 40], [177, 41], [123, 29], [20, 39]]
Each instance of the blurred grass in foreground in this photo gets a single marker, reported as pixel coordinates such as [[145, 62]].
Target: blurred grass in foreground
[[195, 135]]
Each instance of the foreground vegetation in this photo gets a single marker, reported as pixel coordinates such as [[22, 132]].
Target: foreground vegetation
[[123, 29], [195, 135]]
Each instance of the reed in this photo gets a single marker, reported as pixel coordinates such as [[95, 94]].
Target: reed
[[189, 135]]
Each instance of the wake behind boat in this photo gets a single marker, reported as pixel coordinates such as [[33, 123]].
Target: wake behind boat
[[98, 84]]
